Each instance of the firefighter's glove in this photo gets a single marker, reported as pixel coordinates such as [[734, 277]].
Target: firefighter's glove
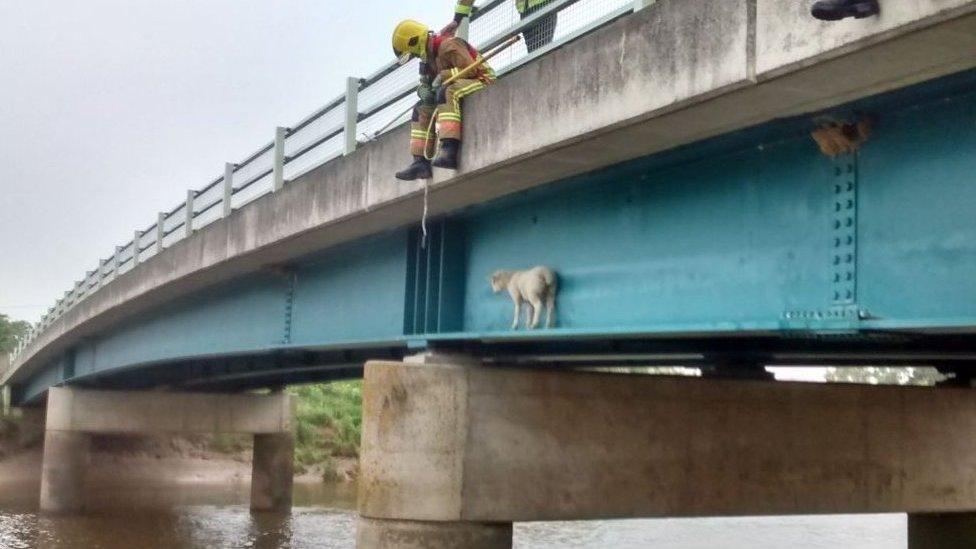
[[426, 93], [438, 82]]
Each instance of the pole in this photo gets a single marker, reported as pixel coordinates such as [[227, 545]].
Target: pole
[[278, 162], [188, 212], [228, 199], [136, 239], [352, 115]]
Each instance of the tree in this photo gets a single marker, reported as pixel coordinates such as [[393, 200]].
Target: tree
[[885, 375], [12, 332]]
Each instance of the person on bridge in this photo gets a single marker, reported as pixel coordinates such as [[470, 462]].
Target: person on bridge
[[442, 55], [540, 34], [835, 10]]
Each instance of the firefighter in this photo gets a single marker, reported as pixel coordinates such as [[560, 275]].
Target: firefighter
[[835, 10], [441, 55], [541, 33]]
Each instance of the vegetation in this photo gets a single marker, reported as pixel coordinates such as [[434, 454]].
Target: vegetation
[[11, 333], [328, 425]]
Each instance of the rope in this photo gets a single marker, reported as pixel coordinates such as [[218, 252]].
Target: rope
[[428, 154], [430, 130], [423, 218]]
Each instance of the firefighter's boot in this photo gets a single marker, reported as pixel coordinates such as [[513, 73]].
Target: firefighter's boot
[[447, 156], [835, 10], [420, 169]]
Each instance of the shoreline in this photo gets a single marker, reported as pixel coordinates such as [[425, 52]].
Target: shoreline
[[145, 479]]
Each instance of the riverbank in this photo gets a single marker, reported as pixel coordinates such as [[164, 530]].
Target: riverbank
[[176, 461]]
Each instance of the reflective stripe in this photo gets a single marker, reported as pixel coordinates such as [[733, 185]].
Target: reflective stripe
[[468, 90], [477, 84], [449, 129], [521, 6], [462, 9]]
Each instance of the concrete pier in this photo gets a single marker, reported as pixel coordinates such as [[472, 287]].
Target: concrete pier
[[73, 415], [450, 443], [63, 471], [272, 472], [400, 534]]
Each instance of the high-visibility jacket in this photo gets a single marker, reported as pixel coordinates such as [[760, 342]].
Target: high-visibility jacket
[[463, 9], [523, 5]]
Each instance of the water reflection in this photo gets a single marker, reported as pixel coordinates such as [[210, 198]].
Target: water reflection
[[214, 517], [168, 517], [191, 527]]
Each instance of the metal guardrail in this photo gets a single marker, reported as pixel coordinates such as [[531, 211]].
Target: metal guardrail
[[367, 105]]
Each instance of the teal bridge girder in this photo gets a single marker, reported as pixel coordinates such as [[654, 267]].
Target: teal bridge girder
[[750, 248]]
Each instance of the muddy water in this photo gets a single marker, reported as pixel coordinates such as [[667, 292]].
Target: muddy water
[[202, 516]]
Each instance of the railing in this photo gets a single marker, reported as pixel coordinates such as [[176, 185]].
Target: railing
[[367, 106]]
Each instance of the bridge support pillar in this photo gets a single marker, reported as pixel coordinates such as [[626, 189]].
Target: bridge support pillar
[[449, 443], [63, 471], [272, 472], [405, 534], [73, 415], [942, 531]]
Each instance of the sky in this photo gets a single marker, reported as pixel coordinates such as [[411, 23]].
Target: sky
[[111, 109]]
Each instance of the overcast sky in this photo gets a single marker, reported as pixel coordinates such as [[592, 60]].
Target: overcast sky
[[111, 109]]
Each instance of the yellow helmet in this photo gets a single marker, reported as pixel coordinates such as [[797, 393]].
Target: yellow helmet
[[410, 40]]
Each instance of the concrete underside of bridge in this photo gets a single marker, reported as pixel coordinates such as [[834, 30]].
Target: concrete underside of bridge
[[454, 452], [74, 415]]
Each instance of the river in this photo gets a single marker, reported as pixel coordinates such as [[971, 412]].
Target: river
[[214, 517]]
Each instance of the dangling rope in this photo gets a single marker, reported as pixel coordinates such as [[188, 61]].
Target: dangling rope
[[423, 218], [429, 156], [428, 150]]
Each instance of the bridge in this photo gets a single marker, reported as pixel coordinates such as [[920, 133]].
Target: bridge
[[659, 157]]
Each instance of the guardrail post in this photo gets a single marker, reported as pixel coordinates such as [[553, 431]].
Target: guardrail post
[[73, 294], [188, 211], [61, 306], [227, 203], [352, 114], [116, 262], [86, 289], [160, 231], [99, 272], [641, 4], [136, 238], [278, 168]]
